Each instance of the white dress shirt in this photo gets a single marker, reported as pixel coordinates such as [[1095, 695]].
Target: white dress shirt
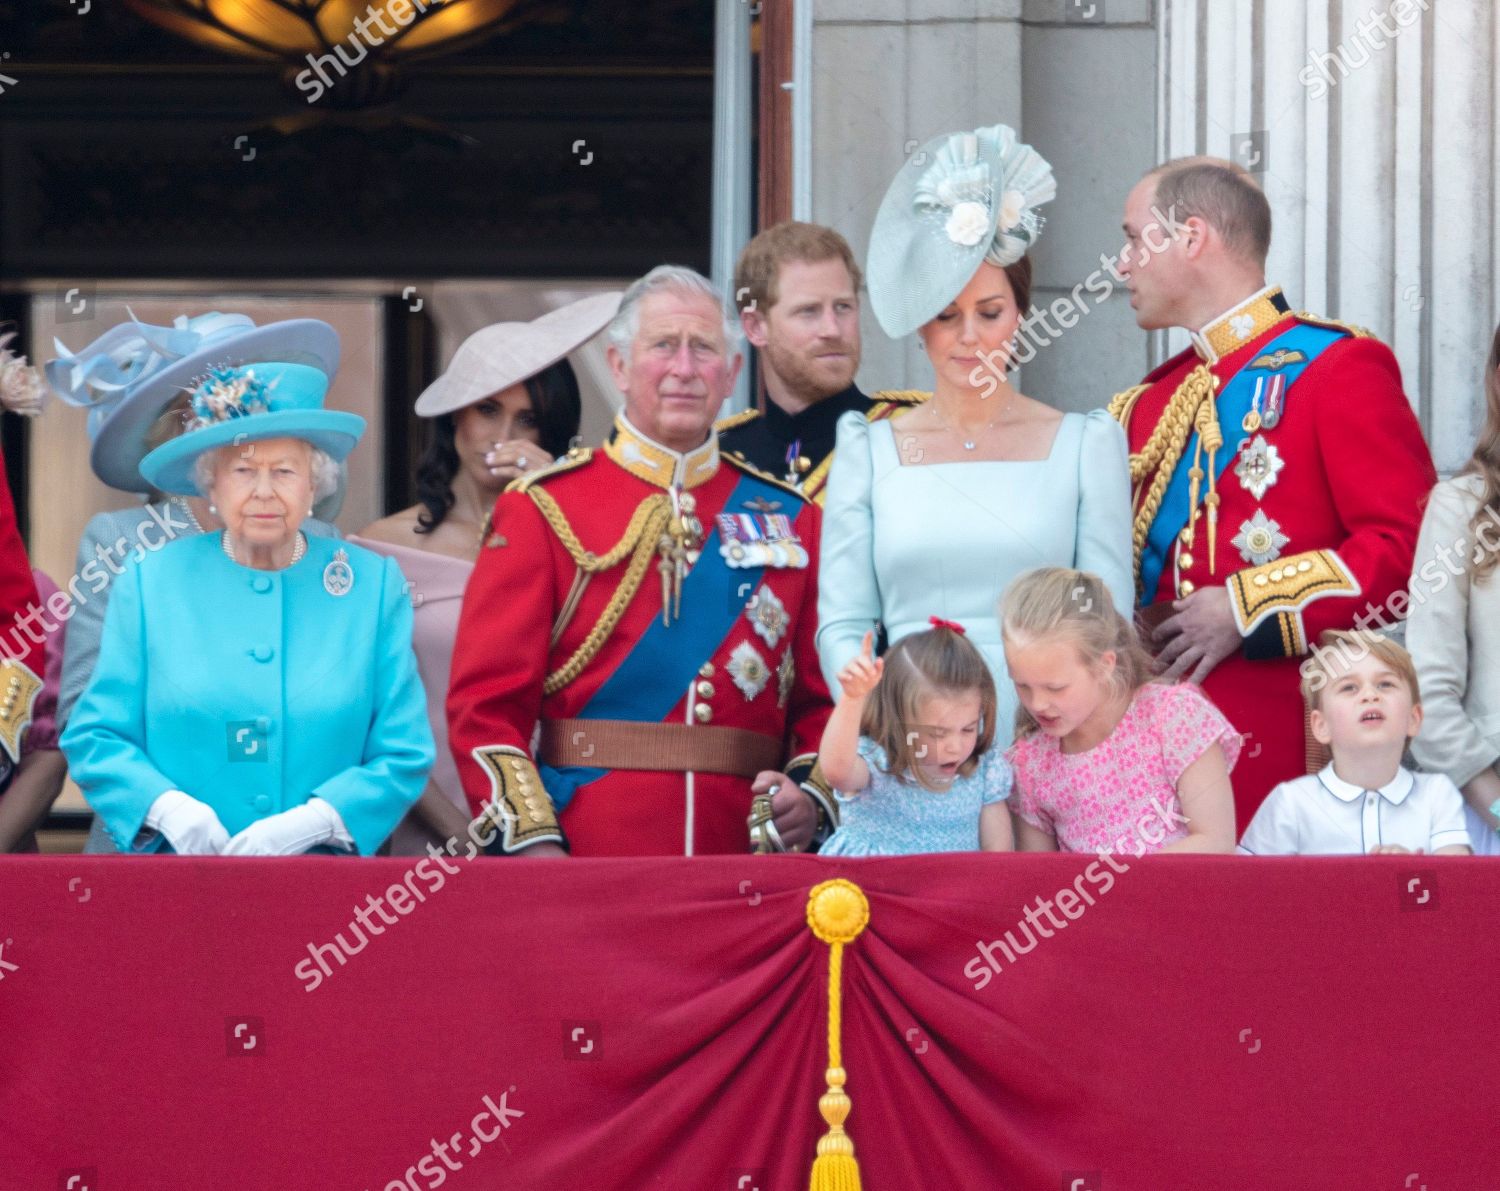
[[1321, 814]]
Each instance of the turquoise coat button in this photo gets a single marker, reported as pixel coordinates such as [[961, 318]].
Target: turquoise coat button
[[263, 653], [262, 583]]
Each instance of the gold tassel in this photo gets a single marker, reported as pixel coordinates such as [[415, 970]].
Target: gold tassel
[[836, 912], [1210, 438]]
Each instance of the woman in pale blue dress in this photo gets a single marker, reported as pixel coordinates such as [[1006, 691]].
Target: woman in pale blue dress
[[935, 511]]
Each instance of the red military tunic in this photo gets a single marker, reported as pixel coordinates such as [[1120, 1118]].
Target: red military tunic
[[1317, 517], [551, 634], [22, 654]]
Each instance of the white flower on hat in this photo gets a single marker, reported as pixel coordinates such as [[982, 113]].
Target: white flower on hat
[[968, 223], [21, 389], [1012, 207]]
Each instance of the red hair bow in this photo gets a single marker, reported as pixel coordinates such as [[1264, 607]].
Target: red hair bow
[[938, 622]]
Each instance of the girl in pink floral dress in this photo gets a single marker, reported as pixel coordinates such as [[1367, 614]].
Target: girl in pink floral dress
[[1105, 759]]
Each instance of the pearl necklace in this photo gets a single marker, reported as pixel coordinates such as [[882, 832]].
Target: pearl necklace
[[298, 550], [187, 511]]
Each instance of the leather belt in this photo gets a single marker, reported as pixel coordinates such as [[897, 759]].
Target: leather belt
[[687, 748]]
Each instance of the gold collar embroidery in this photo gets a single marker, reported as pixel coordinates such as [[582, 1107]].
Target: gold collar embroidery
[[1239, 325], [658, 465]]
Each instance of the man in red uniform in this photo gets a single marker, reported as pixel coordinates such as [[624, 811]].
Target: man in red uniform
[[1278, 469], [645, 613], [22, 653]]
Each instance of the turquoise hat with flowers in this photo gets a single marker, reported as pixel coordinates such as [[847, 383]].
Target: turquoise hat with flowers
[[250, 403], [963, 198]]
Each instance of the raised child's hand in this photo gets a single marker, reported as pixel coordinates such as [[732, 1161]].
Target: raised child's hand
[[859, 677]]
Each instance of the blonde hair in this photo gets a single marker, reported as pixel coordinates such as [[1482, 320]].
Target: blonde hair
[[1063, 602], [934, 661], [1345, 647], [1485, 464]]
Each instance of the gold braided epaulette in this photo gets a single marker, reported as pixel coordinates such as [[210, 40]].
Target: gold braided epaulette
[[737, 460], [1122, 405], [649, 514], [1190, 407], [899, 397], [638, 542], [739, 419], [576, 457], [1319, 321]]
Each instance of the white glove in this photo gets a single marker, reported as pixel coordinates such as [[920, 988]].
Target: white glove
[[191, 827], [291, 832]]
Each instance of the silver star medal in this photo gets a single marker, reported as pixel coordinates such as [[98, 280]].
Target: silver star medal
[[1260, 539], [1258, 465], [748, 670], [767, 615], [338, 575]]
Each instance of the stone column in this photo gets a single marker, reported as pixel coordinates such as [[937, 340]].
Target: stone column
[[1373, 133], [886, 76]]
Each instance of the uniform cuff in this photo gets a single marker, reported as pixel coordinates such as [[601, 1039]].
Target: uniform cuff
[[19, 688], [519, 812], [808, 774], [1278, 636], [1288, 585]]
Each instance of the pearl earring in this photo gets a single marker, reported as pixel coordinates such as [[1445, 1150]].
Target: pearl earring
[[213, 509]]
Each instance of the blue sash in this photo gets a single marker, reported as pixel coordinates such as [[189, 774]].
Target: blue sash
[[663, 664], [1234, 402]]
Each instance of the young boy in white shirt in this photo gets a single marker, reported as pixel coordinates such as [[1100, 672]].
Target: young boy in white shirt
[[1365, 704]]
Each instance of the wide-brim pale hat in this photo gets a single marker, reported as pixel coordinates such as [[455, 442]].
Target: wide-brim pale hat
[[501, 355]]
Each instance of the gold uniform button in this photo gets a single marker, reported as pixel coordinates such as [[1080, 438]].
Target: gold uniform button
[[1186, 587], [706, 689], [706, 670], [702, 712], [1304, 566], [1261, 581], [1185, 560], [1276, 575], [1186, 537]]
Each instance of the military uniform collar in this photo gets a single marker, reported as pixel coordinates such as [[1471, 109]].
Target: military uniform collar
[[1241, 323], [661, 466], [822, 413]]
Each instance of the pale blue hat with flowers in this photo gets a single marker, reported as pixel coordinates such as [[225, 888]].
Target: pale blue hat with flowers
[[963, 198], [133, 372]]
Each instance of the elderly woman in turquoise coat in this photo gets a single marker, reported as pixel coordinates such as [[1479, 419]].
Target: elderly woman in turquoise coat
[[256, 691]]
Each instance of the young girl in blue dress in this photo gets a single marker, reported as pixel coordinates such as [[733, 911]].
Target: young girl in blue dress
[[908, 748]]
